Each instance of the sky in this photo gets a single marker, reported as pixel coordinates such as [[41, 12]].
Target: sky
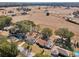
[[39, 0]]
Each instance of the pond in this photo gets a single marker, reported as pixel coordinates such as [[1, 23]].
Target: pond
[[76, 53]]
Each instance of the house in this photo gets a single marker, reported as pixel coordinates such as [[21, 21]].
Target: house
[[8, 28], [44, 44], [71, 16], [25, 52], [30, 40], [49, 44], [73, 20], [4, 33], [23, 12], [54, 52], [19, 36], [41, 42], [23, 8], [11, 14], [12, 39], [2, 9], [57, 51]]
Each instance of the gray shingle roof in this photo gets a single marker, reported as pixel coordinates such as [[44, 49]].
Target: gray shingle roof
[[30, 40]]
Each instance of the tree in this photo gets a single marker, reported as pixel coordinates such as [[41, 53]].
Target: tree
[[65, 40], [39, 8], [77, 45], [64, 33], [5, 21], [37, 28], [7, 49], [46, 33], [47, 14], [25, 26]]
